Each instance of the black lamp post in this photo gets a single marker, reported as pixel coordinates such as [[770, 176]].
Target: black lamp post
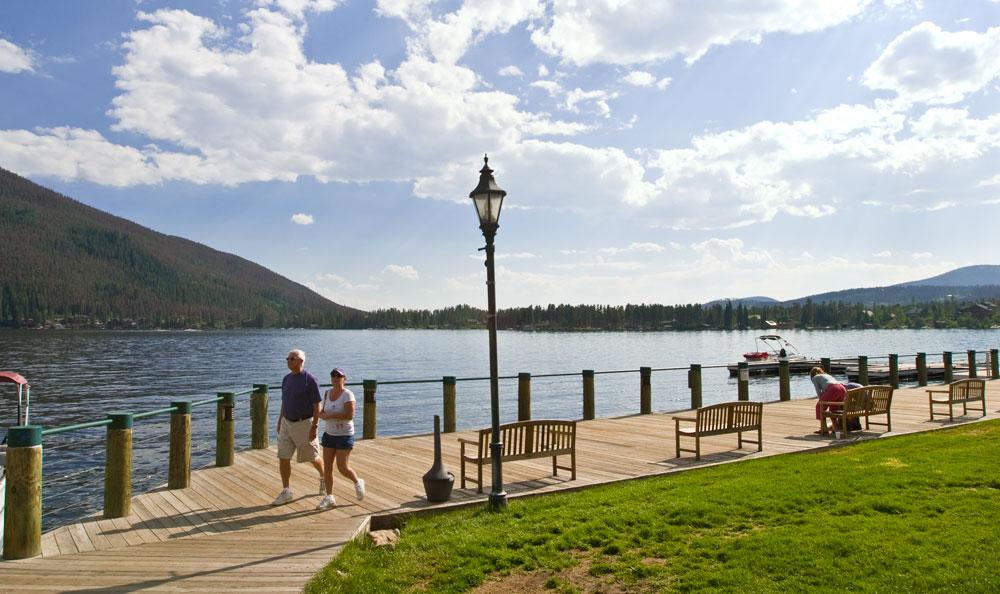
[[488, 198]]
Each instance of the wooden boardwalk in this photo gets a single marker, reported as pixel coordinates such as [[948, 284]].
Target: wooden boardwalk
[[221, 534]]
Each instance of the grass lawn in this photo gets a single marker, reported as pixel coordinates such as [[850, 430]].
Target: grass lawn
[[917, 513]]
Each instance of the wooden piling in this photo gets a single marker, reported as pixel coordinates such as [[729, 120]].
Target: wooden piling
[[694, 382], [863, 370], [949, 371], [448, 395], [225, 435], [784, 383], [118, 466], [894, 370], [973, 372], [824, 362], [994, 363], [523, 396], [179, 471], [588, 394], [22, 536], [743, 381], [645, 390], [921, 369], [258, 418], [370, 387]]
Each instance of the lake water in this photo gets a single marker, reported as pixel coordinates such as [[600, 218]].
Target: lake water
[[80, 376]]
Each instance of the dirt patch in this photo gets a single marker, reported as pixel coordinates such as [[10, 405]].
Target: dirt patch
[[573, 579]]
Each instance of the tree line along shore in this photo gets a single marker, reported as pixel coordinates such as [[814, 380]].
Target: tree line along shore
[[642, 317]]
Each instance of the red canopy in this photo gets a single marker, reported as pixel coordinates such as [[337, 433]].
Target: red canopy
[[13, 378]]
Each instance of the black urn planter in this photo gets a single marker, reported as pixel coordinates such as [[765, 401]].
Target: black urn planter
[[438, 482]]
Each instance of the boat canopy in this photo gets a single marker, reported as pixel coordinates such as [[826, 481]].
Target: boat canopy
[[23, 394]]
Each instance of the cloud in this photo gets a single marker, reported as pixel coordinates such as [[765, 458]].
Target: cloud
[[302, 219], [14, 59], [639, 78], [406, 272], [510, 71], [644, 247], [928, 65], [922, 255], [882, 254], [663, 83], [628, 33]]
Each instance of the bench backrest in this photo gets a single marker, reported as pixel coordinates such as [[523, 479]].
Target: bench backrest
[[967, 389], [868, 400], [531, 437], [729, 415]]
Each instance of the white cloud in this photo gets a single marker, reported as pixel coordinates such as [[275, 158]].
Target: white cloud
[[407, 272], [643, 247], [542, 71], [639, 78], [298, 8], [615, 32], [922, 255], [14, 59], [928, 65], [882, 254], [302, 219], [597, 99], [510, 71], [663, 83], [549, 86]]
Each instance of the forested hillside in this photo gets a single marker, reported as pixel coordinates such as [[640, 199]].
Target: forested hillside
[[63, 260]]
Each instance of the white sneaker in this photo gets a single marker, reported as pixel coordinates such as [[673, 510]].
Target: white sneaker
[[284, 497], [359, 489], [322, 486], [327, 502]]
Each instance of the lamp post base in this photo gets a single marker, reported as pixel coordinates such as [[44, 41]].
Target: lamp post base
[[498, 501]]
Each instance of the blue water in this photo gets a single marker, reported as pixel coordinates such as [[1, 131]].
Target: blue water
[[80, 376]]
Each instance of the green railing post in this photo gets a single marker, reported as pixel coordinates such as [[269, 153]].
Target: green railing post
[[22, 537], [863, 370], [448, 394], [994, 363], [973, 372], [225, 434], [824, 362], [921, 369], [588, 394], [894, 370], [370, 387], [645, 390], [179, 473], [743, 381], [694, 382], [523, 396], [258, 417], [949, 371], [118, 466], [784, 383]]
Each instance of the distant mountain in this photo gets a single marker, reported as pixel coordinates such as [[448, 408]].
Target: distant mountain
[[971, 283], [746, 301], [62, 259], [968, 276]]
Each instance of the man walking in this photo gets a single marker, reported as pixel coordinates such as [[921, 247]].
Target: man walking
[[297, 423]]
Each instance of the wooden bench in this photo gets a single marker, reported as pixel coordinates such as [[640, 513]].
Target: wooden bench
[[521, 441], [964, 392], [717, 419], [860, 402]]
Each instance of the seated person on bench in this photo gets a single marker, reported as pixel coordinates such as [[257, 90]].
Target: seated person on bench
[[829, 390]]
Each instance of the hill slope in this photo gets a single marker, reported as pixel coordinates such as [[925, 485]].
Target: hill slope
[[968, 276], [60, 258]]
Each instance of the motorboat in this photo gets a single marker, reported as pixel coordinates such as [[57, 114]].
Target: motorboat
[[771, 347], [769, 351], [23, 404]]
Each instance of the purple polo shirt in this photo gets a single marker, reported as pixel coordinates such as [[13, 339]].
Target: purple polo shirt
[[298, 394]]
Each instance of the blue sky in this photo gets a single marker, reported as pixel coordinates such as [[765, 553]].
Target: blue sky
[[668, 152]]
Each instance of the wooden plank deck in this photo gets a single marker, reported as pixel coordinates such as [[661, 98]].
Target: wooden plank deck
[[222, 535]]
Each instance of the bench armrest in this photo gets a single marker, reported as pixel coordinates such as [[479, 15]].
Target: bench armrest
[[468, 441], [831, 404], [688, 419], [938, 391]]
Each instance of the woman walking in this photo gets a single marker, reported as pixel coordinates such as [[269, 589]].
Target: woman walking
[[337, 409]]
